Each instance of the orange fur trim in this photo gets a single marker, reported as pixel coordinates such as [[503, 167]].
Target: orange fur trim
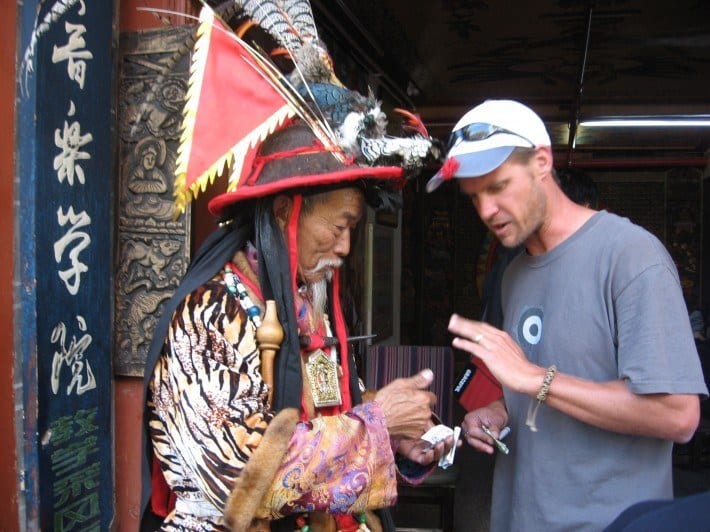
[[373, 522], [258, 473], [368, 395]]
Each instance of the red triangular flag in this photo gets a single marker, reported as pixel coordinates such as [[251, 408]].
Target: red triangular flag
[[234, 102]]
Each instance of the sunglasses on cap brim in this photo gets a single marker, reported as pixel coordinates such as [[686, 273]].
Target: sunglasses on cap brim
[[480, 131]]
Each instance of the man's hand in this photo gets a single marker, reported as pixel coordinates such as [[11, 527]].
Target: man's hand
[[503, 356], [494, 416], [421, 451], [407, 405]]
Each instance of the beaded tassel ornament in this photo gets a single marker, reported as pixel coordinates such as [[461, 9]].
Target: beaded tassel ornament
[[235, 287]]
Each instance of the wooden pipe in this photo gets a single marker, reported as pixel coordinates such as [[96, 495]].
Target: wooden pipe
[[269, 337]]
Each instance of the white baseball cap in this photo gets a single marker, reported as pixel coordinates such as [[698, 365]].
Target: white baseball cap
[[486, 136]]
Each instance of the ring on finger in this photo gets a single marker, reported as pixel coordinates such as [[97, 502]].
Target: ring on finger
[[478, 338]]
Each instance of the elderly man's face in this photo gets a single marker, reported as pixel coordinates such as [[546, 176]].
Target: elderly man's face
[[324, 232]]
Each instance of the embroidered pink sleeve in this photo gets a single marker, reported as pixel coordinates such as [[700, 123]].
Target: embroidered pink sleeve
[[335, 464]]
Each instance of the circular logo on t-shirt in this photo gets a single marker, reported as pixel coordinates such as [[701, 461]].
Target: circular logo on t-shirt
[[530, 327]]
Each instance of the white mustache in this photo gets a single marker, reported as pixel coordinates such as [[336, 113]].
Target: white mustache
[[323, 264]]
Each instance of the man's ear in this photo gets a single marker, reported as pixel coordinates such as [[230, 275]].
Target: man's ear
[[282, 210], [542, 161]]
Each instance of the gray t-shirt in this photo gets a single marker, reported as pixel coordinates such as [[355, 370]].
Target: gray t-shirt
[[605, 304]]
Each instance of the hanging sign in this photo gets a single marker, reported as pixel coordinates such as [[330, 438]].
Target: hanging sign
[[65, 176]]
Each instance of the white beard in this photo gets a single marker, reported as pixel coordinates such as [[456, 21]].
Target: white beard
[[319, 297], [318, 290]]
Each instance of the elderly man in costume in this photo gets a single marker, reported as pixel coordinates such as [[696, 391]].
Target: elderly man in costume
[[211, 420], [248, 440]]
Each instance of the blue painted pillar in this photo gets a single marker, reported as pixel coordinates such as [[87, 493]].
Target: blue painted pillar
[[64, 229]]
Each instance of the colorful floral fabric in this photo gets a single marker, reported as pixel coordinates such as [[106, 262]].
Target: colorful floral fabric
[[336, 464]]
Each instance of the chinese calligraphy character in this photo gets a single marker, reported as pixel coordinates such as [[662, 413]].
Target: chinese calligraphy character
[[40, 28], [74, 456], [72, 485], [74, 52], [82, 377], [70, 140], [85, 420], [79, 515], [63, 428], [61, 431], [72, 276], [77, 467]]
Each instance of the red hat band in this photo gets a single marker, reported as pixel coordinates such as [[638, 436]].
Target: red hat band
[[293, 158]]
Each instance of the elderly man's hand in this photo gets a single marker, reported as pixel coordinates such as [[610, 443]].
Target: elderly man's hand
[[422, 452], [407, 405]]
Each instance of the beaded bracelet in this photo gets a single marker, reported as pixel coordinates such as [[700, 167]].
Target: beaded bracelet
[[542, 394], [540, 398]]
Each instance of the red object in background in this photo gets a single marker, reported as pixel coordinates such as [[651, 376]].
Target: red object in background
[[476, 387], [162, 499]]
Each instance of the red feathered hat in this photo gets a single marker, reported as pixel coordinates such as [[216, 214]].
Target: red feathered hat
[[238, 120], [293, 158]]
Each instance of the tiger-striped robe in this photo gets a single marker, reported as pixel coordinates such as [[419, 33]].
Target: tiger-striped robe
[[208, 413]]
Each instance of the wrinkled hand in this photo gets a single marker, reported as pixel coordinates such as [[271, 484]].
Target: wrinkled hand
[[503, 356], [421, 452], [494, 416], [407, 405]]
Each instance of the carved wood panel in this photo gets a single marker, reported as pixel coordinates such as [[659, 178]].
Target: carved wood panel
[[153, 247]]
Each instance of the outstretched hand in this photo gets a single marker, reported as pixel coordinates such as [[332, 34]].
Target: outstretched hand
[[502, 355], [407, 405]]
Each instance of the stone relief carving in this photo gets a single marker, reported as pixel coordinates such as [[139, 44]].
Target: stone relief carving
[[153, 246]]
